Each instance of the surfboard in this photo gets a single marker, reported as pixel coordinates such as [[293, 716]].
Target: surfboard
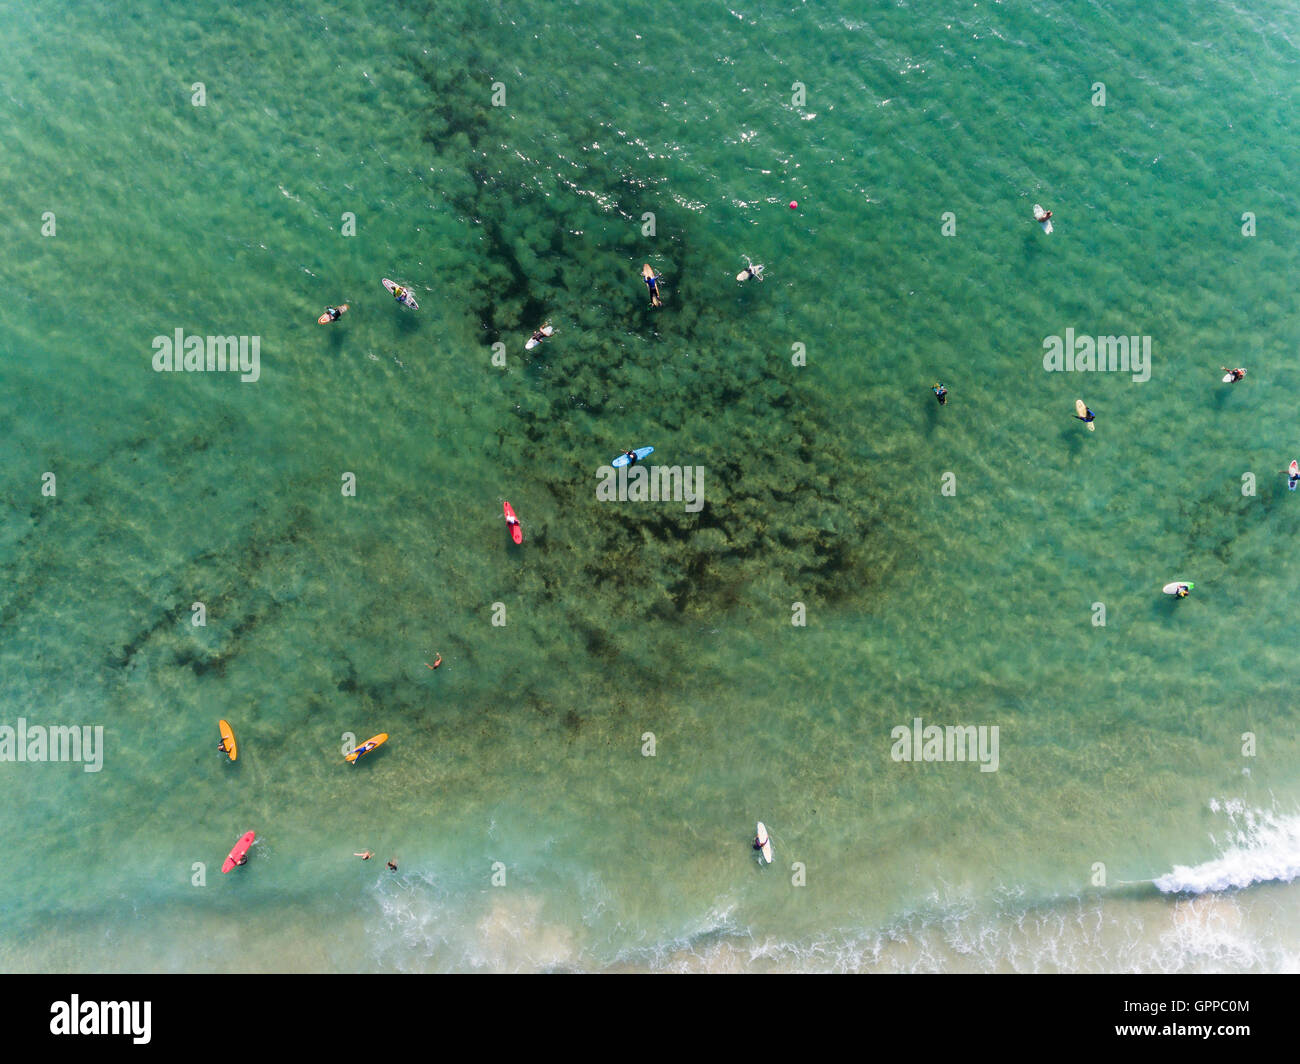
[[1040, 217], [407, 298], [325, 319], [640, 453], [545, 330], [228, 738], [1081, 408], [240, 848], [516, 532], [1293, 471], [366, 747], [764, 842], [1172, 589]]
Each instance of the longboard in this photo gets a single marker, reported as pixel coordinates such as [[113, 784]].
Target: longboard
[[765, 843], [516, 532], [622, 459], [1081, 408], [240, 848], [1172, 589], [366, 747], [1293, 471], [407, 299], [1040, 216], [325, 319], [545, 330], [228, 740]]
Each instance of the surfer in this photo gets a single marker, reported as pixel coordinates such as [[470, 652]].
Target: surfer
[[631, 457], [1088, 417], [1041, 215], [392, 866], [399, 293], [758, 845], [940, 393], [1292, 476], [243, 859], [1235, 374], [539, 335], [365, 856], [1183, 591], [651, 282], [749, 271], [333, 313], [436, 662]]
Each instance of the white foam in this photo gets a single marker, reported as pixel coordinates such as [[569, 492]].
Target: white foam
[[1264, 847]]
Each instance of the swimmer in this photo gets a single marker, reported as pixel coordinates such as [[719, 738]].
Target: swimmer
[[365, 855], [1235, 374], [436, 662], [940, 393], [392, 866], [749, 271], [651, 282]]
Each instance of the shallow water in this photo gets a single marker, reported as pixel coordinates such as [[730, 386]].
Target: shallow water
[[1120, 744]]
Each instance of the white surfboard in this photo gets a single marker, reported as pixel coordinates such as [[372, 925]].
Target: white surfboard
[[545, 330], [1228, 378], [1172, 589], [1293, 471], [1040, 216], [764, 842], [1081, 408]]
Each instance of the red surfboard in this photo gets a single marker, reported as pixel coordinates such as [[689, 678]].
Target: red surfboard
[[516, 533], [241, 848]]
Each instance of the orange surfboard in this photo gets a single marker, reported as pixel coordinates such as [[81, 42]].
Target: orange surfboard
[[366, 747], [228, 741], [325, 319]]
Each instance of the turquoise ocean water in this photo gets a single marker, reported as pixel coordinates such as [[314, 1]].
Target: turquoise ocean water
[[530, 830]]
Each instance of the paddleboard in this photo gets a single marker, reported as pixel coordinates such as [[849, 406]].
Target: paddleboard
[[240, 848], [325, 319], [228, 739], [516, 532], [1172, 589], [366, 747], [407, 298], [545, 330], [1293, 471], [765, 843], [1040, 216], [1081, 408], [622, 459]]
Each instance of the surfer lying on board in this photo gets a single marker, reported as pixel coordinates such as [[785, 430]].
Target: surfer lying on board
[[749, 271], [333, 313], [758, 845], [631, 457], [1183, 591], [940, 393], [1235, 374], [1089, 416], [399, 293], [651, 282]]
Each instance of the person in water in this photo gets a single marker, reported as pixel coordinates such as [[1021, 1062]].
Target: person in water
[[631, 458], [940, 393], [539, 335], [750, 270], [392, 866], [365, 856], [1237, 374], [1292, 479], [651, 282], [399, 293], [1183, 591], [436, 662], [334, 313], [1089, 416]]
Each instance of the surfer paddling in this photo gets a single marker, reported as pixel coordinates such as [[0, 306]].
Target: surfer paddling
[[940, 393], [1087, 416], [1232, 376], [332, 314], [749, 271], [1043, 218], [632, 458], [651, 282]]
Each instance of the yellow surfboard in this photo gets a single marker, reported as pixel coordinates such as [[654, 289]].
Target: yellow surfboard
[[366, 747], [228, 741], [1081, 408]]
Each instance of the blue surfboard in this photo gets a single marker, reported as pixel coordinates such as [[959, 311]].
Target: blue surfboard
[[640, 453]]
